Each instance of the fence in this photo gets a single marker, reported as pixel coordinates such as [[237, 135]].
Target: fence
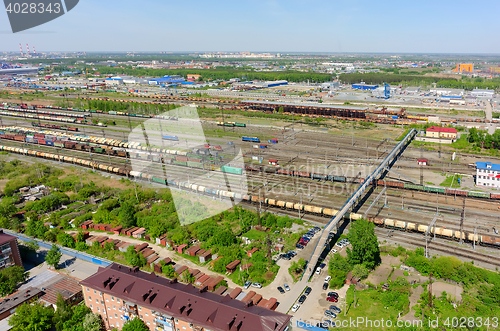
[[65, 250]]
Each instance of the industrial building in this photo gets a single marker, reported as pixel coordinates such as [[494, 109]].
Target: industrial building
[[485, 93], [488, 175], [363, 86], [119, 293], [166, 80], [18, 71], [449, 92], [114, 81], [9, 251], [9, 304], [330, 86], [441, 133], [464, 67]]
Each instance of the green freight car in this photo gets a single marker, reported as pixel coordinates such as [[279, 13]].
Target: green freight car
[[414, 187], [179, 163], [99, 150], [231, 170], [159, 180], [478, 195], [59, 144], [241, 125]]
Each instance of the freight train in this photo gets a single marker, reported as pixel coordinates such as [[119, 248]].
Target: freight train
[[54, 126], [315, 210], [231, 124]]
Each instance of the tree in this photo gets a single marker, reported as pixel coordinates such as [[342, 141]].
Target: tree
[[32, 317], [360, 271], [74, 323], [135, 325], [169, 271], [133, 257], [365, 249], [93, 322], [63, 312], [188, 277], [66, 240], [127, 215], [10, 277], [53, 256]]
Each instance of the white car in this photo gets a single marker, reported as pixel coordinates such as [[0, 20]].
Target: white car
[[318, 270], [327, 279], [333, 251], [295, 307], [339, 245]]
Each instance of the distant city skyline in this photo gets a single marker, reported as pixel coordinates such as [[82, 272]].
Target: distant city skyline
[[295, 26]]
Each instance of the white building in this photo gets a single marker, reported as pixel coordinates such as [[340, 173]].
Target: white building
[[330, 85], [448, 91], [488, 175], [482, 93], [114, 81]]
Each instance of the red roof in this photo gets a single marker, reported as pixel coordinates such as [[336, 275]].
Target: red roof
[[422, 160], [439, 129]]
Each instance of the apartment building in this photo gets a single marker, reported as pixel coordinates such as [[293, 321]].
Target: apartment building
[[9, 252], [120, 293]]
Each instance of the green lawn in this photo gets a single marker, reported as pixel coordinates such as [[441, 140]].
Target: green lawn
[[451, 181], [255, 235]]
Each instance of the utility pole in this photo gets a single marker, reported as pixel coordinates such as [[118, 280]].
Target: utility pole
[[462, 223], [430, 289]]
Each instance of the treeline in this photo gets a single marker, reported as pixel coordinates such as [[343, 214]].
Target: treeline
[[469, 85], [223, 74], [483, 139], [380, 78]]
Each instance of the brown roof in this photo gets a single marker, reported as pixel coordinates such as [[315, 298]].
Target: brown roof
[[233, 264], [67, 286], [246, 266], [167, 260], [206, 309], [234, 293], [253, 250], [5, 238], [263, 303], [192, 249], [220, 290], [207, 253], [202, 279], [249, 296]]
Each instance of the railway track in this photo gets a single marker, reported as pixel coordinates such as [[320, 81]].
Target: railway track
[[465, 253]]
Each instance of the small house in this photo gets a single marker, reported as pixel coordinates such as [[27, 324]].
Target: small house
[[180, 249], [231, 267], [422, 162], [205, 256]]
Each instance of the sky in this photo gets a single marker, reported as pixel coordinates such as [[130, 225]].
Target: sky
[[383, 26]]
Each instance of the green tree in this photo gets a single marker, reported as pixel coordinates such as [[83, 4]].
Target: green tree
[[63, 313], [134, 258], [53, 256], [135, 325], [365, 249], [360, 271], [169, 271], [127, 215], [66, 240], [188, 277], [93, 322], [74, 323], [32, 317], [10, 277]]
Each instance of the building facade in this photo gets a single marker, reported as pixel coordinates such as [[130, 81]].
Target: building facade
[[443, 133], [488, 175], [119, 293], [464, 67], [9, 251]]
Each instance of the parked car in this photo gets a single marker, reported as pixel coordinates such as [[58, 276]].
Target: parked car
[[330, 313], [322, 265], [295, 307], [286, 287], [292, 253], [332, 299], [257, 285], [302, 299], [333, 294], [285, 257], [308, 290], [335, 309], [327, 279], [299, 246], [339, 245], [247, 284], [333, 251], [318, 270], [317, 228], [326, 324], [325, 286]]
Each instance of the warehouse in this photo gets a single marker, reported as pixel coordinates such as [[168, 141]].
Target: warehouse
[[114, 81], [485, 93], [448, 91]]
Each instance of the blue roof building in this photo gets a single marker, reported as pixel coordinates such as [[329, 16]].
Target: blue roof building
[[363, 86], [488, 175]]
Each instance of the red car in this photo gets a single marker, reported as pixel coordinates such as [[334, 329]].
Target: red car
[[332, 299]]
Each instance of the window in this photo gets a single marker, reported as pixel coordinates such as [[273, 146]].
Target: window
[[107, 300], [109, 308], [90, 298], [102, 302], [147, 315], [95, 292], [117, 324], [90, 306], [114, 307], [117, 300], [112, 298], [98, 309], [148, 323], [88, 290], [96, 301], [116, 316], [140, 308]]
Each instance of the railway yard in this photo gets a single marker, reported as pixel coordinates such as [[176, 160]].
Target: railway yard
[[294, 169]]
